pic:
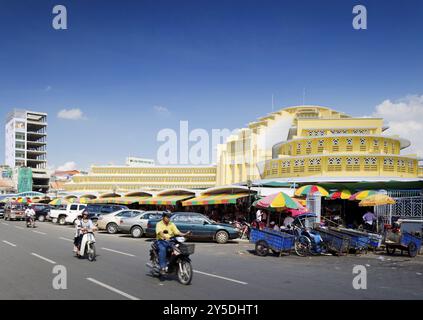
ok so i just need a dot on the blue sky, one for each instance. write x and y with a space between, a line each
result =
213 63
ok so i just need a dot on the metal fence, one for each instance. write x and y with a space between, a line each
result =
405 207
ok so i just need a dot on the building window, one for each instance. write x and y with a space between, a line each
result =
320 145
335 145
370 164
334 164
299 165
20 145
20 136
388 164
308 147
375 143
314 165
401 166
286 166
299 148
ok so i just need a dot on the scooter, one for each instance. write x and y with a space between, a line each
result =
87 246
178 260
30 222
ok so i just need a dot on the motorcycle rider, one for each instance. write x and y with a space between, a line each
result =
165 230
86 226
30 214
76 239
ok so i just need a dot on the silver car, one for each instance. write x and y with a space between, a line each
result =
136 226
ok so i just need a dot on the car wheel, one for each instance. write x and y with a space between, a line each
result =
222 237
41 218
390 250
112 228
54 220
62 221
137 232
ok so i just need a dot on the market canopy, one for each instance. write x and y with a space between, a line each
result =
214 199
170 200
119 200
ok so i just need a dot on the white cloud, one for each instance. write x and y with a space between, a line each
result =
71 114
404 118
162 110
68 166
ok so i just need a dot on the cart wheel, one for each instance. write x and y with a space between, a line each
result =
412 249
302 246
262 249
390 250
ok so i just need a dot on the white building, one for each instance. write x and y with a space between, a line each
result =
26 144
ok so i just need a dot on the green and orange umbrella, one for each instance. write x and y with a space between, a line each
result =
278 200
58 202
343 195
309 190
361 195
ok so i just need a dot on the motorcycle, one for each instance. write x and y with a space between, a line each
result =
30 222
87 246
178 261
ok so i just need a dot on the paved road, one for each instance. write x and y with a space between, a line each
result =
229 271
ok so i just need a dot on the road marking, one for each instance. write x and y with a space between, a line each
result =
224 278
43 258
9 243
120 252
18 227
113 289
66 239
6 224
39 232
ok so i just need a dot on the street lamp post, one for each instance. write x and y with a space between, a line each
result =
249 185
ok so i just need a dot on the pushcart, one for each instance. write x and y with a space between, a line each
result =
267 239
358 241
335 242
404 242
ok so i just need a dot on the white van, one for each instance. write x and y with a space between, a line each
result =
66 214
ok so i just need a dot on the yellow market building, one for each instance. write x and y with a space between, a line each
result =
297 144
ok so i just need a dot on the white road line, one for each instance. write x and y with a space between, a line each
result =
113 289
120 252
66 239
39 232
18 227
224 278
9 243
6 224
43 258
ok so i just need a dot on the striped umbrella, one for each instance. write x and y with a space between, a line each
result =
278 200
24 200
344 195
361 195
58 202
310 190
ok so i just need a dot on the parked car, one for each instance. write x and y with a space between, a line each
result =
41 211
202 227
137 226
2 205
14 211
110 221
97 210
66 213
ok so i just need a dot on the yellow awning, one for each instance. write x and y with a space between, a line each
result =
215 199
166 200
